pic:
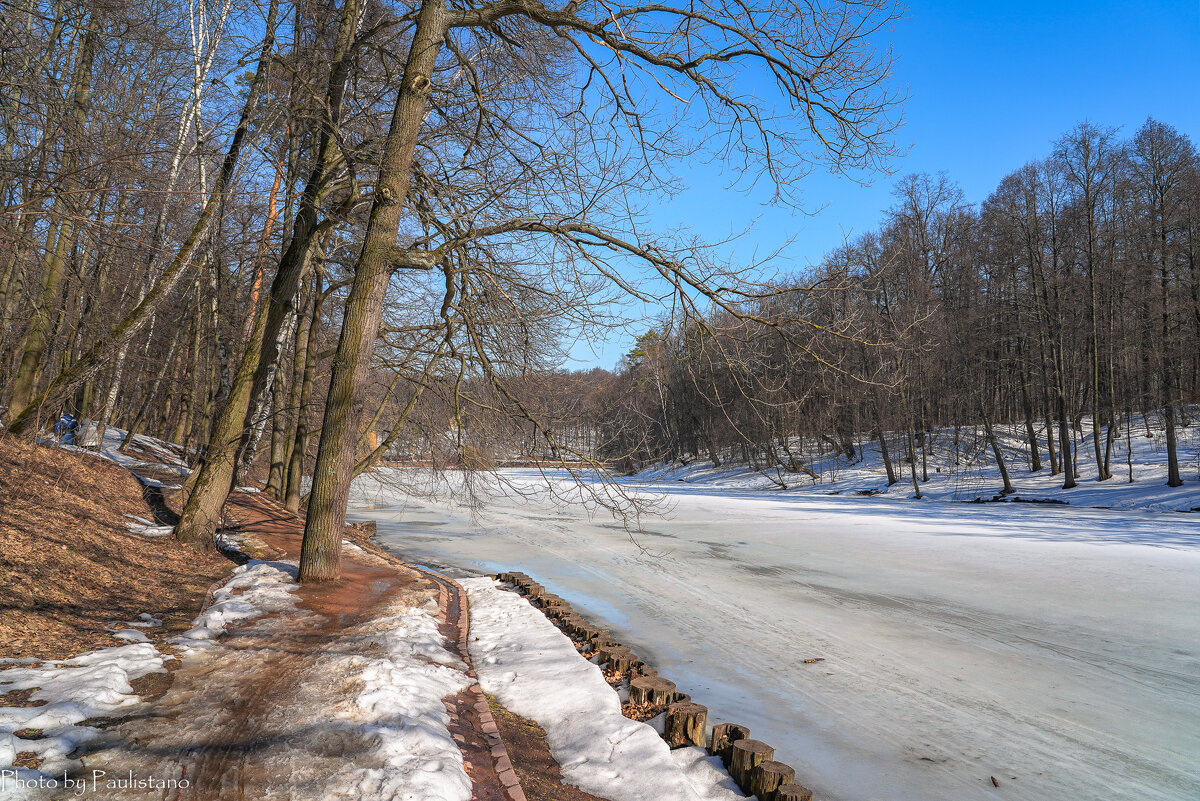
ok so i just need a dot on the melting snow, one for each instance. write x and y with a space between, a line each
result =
535 671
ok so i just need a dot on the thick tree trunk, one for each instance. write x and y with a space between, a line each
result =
1064 442
912 456
295 473
320 556
287 424
305 229
1174 479
1050 450
210 484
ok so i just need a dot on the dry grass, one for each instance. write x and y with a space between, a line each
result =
540 774
69 566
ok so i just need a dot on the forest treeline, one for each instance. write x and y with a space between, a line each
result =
299 238
1066 303
296 236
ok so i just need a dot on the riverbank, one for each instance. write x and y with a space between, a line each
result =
1050 646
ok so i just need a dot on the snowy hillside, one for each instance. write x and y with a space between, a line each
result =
964 470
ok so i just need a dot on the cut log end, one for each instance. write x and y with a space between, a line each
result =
746 756
686 725
793 792
724 735
768 777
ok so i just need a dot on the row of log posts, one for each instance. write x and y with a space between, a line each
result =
751 763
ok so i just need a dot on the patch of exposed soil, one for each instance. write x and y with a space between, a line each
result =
69 566
249 720
540 774
21 698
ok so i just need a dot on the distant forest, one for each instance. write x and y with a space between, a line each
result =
1067 302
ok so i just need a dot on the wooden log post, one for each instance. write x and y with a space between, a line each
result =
605 646
645 670
534 591
793 792
571 622
640 689
587 631
604 641
621 661
768 777
724 735
617 657
746 756
686 725
663 692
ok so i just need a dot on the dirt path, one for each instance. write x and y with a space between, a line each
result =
256 717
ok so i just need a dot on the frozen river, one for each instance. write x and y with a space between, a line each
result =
1055 649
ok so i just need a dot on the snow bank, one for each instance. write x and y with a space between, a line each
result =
85 440
535 671
400 705
95 684
257 588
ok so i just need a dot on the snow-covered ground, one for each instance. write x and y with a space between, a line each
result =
96 684
962 468
535 671
1055 648
399 704
85 440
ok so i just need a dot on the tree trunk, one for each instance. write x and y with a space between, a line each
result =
1174 479
305 228
1064 443
277 484
912 456
991 438
887 459
101 351
1050 450
295 473
210 484
60 238
320 556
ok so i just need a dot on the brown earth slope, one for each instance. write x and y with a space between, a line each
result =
70 567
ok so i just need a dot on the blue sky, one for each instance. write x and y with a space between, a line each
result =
990 86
